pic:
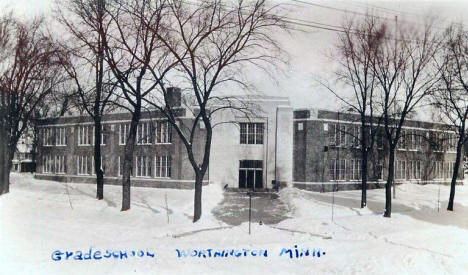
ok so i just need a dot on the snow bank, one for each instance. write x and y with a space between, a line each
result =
38 217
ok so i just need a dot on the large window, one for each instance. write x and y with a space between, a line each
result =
163 132
163 167
400 171
48 165
251 133
144 133
337 169
84 165
48 137
85 134
123 133
60 136
143 166
337 135
438 170
60 165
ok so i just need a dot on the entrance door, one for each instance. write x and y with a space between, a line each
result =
251 174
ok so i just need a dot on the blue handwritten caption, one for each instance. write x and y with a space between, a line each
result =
259 253
98 254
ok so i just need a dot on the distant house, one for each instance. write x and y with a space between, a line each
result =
23 158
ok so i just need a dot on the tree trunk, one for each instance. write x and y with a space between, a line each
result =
363 167
128 160
3 161
388 185
455 173
197 210
97 159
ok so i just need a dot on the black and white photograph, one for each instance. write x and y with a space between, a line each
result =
233 137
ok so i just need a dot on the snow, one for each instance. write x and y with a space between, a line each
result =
38 217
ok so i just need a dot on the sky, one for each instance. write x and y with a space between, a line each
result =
309 49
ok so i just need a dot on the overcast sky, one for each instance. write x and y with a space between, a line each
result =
308 48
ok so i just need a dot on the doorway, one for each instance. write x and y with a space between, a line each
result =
251 174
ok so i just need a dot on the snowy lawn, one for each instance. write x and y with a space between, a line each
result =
39 217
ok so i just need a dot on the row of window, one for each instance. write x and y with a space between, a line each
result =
347 135
85 166
54 164
350 169
85 134
344 169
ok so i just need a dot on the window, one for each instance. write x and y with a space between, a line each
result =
337 169
48 165
300 126
144 133
123 133
143 166
60 137
103 136
84 134
414 169
402 140
251 133
357 136
83 165
163 167
438 170
400 169
60 165
163 132
48 137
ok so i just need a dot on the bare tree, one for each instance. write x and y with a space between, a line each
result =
356 49
138 62
452 96
87 23
405 77
29 72
210 42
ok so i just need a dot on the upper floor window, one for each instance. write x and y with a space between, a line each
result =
123 133
60 136
251 133
144 133
337 135
84 134
48 137
163 132
402 140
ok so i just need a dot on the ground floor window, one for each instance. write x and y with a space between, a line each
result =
250 174
60 165
143 166
163 166
83 165
48 165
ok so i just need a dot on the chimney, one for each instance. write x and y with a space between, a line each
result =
174 97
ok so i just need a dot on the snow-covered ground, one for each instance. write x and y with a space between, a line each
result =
39 217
